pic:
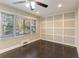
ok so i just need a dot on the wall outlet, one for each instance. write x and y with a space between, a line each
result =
24 43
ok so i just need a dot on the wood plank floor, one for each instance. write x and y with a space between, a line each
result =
42 49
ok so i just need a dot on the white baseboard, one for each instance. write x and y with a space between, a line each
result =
59 42
10 48
16 46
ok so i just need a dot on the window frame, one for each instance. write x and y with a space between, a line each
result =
14 25
7 14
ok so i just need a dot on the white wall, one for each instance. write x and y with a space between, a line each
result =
60 28
13 41
78 32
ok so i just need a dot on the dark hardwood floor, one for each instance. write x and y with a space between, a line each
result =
42 49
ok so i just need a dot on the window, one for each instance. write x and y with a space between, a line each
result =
22 26
14 25
19 26
7 24
26 26
33 26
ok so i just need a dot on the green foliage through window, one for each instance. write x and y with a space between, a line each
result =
18 25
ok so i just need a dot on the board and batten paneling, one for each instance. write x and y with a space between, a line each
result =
59 28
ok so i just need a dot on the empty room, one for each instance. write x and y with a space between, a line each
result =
39 28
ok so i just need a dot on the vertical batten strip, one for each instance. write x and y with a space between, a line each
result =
53 27
63 28
0 27
46 28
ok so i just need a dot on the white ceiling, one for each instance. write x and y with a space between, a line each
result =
52 6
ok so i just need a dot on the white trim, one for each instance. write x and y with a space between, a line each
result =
76 27
10 48
53 28
16 46
0 27
23 16
58 13
58 28
46 26
78 32
63 28
59 42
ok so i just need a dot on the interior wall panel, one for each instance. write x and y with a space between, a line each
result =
60 28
